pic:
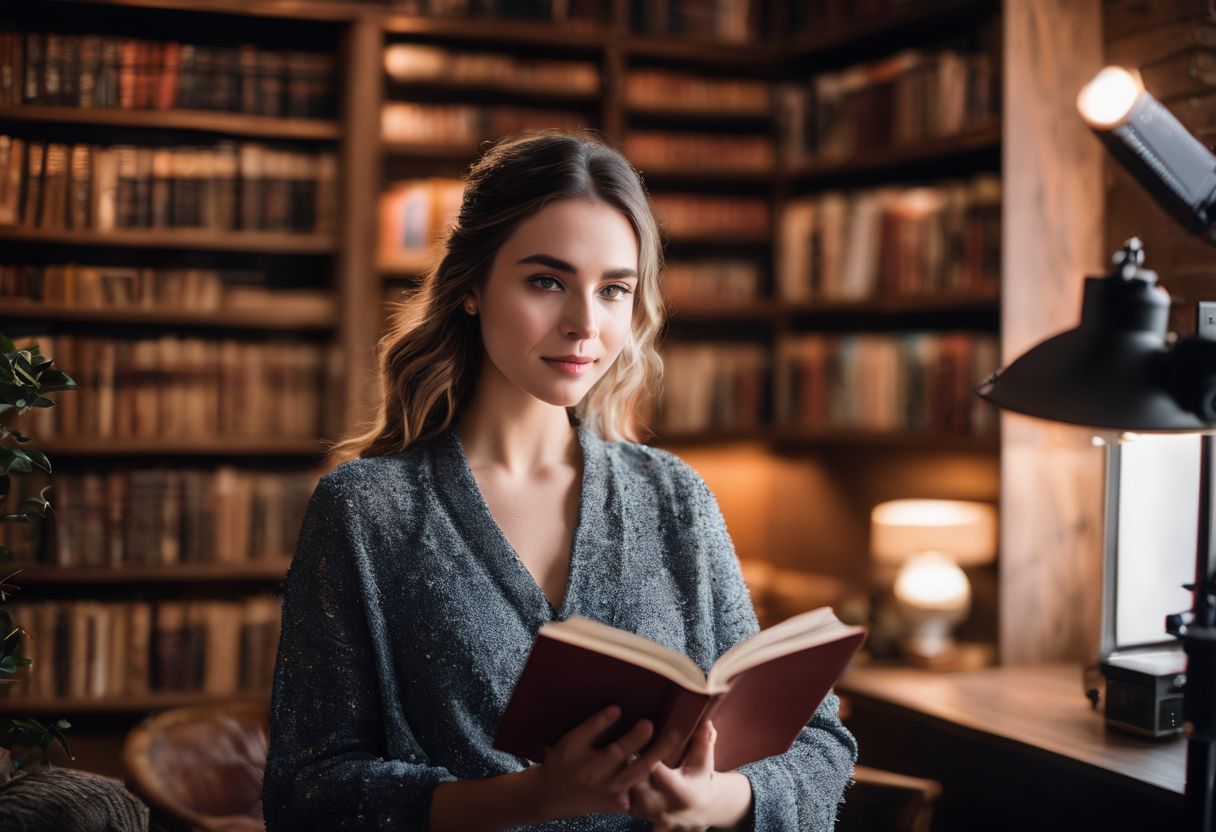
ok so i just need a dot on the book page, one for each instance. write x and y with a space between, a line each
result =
629 647
807 629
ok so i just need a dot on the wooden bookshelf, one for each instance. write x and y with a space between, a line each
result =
271 318
136 706
361 31
985 139
228 446
193 239
145 574
199 121
931 441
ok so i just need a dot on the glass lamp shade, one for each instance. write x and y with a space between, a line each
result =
1111 371
962 531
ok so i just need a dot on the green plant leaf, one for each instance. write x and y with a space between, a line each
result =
34 505
14 459
6 344
38 458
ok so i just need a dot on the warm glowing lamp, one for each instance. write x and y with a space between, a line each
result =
930 540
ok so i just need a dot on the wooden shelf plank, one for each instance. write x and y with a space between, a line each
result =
435 152
43 575
201 446
906 439
751 56
127 704
707 437
400 90
843 33
285 9
720 238
257 319
806 438
708 175
987 137
208 121
263 242
893 305
565 36
746 310
676 111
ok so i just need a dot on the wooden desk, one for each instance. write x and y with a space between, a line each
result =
1014 748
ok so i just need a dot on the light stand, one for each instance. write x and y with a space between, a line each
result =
1117 370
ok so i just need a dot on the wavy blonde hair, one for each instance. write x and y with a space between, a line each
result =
429 358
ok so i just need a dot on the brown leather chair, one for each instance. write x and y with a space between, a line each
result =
886 801
200 768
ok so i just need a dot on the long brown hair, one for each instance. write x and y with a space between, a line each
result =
429 357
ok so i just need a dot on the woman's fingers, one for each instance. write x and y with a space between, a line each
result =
640 768
700 757
585 733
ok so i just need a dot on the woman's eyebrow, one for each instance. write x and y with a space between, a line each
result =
562 265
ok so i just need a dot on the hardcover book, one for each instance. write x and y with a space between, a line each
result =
759 693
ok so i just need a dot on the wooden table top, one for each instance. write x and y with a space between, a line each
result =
1037 709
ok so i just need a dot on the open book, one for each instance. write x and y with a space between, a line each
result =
759 693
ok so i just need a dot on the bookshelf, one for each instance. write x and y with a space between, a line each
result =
165 281
822 478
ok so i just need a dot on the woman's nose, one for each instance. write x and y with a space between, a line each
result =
579 321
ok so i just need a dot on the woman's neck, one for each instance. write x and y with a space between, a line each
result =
519 435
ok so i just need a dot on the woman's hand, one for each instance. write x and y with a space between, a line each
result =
577 779
679 799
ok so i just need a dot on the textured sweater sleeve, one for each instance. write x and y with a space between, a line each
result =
802 788
329 765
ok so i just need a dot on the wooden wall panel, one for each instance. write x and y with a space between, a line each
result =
360 163
1177 60
1051 478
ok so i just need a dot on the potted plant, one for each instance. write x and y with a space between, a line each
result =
26 377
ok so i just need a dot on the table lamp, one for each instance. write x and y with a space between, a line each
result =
930 540
1118 370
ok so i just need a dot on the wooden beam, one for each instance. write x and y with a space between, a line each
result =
1051 476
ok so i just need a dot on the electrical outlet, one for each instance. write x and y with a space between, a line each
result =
1207 320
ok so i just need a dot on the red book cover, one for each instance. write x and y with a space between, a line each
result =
759 694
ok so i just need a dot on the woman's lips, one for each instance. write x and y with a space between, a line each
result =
571 368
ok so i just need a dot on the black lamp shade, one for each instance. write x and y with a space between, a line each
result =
1112 371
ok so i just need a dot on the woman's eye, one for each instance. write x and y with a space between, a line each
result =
544 281
621 291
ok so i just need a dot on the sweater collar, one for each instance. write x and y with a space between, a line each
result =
592 557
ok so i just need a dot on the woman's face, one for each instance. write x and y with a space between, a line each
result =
558 304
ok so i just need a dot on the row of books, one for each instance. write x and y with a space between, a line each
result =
673 90
70 70
179 388
806 16
414 214
406 63
228 186
110 650
163 516
892 241
466 124
730 21
80 286
908 97
698 215
713 386
722 280
912 381
676 151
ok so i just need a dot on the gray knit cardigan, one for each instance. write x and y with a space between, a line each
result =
407 619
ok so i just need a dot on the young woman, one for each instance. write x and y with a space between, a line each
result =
500 488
